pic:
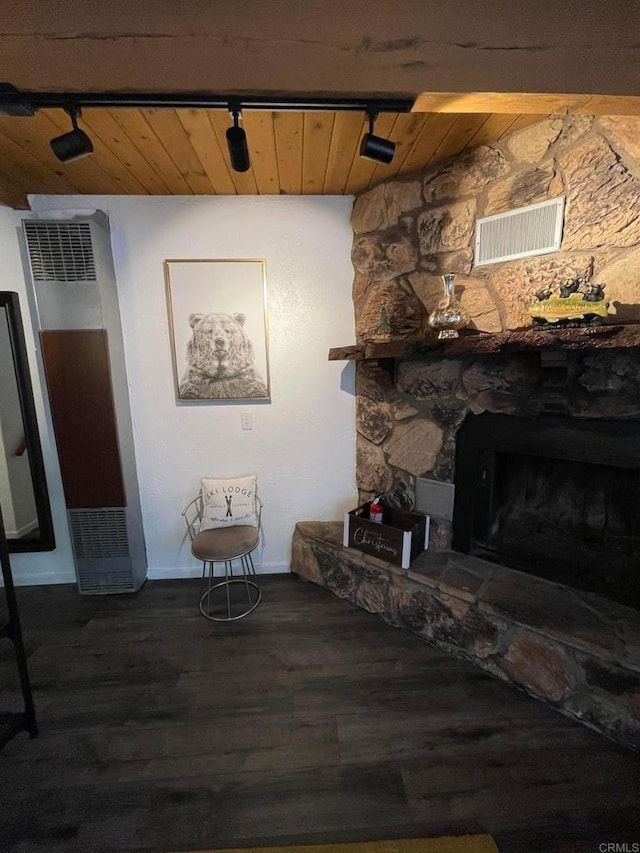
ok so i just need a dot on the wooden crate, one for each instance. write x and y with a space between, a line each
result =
399 539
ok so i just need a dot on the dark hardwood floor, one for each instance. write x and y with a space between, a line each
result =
309 721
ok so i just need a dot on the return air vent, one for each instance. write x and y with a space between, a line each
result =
99 532
101 550
520 233
60 251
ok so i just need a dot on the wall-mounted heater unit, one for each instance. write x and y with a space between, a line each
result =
82 350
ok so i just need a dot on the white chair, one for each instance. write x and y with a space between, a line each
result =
238 594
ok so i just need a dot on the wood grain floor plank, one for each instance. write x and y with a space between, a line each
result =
311 721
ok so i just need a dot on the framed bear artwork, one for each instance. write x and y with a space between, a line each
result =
218 330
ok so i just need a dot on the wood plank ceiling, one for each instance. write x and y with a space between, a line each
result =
184 152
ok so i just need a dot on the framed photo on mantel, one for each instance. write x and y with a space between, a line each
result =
218 330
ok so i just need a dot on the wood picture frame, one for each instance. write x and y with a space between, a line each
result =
218 329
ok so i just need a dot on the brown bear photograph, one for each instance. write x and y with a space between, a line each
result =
218 329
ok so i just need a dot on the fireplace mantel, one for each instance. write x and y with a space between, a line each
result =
479 343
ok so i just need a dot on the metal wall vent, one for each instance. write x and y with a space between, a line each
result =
60 251
98 533
520 233
97 581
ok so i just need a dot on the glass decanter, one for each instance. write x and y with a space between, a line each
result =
449 315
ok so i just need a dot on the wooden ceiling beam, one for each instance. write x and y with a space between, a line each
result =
526 102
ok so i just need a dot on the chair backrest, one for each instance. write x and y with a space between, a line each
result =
194 511
192 515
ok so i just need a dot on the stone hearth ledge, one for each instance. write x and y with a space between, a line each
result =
575 651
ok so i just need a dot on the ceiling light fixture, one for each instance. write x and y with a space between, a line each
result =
376 147
76 143
237 141
73 145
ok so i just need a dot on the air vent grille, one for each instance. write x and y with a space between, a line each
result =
95 580
520 233
99 533
60 251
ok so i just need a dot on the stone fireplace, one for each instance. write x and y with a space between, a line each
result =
540 432
563 627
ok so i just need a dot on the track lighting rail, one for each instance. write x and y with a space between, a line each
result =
76 143
15 102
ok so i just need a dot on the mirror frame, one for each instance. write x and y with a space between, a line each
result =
46 540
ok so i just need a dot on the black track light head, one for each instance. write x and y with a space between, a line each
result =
73 145
237 143
375 147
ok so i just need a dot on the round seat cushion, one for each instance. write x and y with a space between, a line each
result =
225 543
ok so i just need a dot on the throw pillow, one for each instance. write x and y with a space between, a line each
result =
228 501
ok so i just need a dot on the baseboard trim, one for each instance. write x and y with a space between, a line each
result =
177 572
18 533
29 577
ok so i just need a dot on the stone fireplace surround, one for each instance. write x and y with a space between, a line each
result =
554 496
576 651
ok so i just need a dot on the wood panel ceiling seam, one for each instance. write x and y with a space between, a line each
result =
464 128
522 121
225 173
404 140
481 121
407 165
154 152
425 143
20 132
31 170
318 128
262 150
104 126
124 124
441 144
348 128
169 130
491 131
206 148
289 129
330 148
118 170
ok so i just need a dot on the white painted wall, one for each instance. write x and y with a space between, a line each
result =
302 447
47 566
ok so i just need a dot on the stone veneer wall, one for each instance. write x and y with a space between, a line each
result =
408 232
408 427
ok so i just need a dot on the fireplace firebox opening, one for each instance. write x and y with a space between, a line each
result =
555 497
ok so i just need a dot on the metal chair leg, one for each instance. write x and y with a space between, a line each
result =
248 573
226 581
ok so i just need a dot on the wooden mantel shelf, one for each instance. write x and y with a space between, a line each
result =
478 343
